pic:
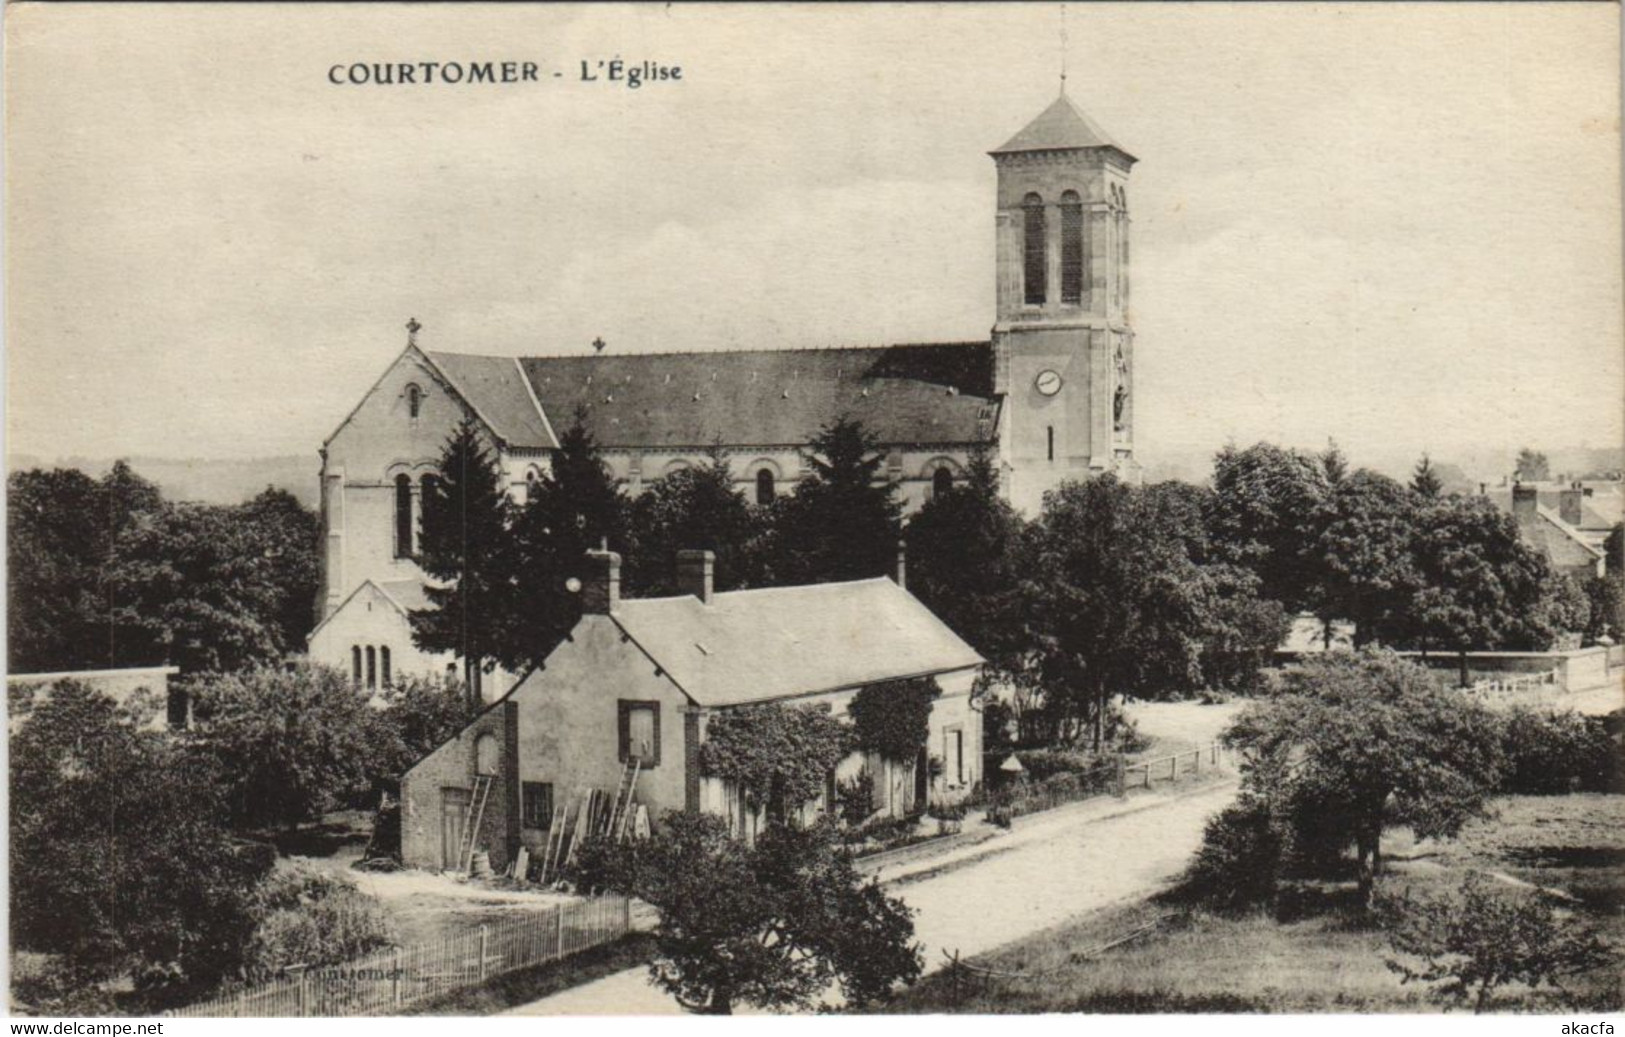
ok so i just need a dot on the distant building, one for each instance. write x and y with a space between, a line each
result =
1566 523
1050 392
643 677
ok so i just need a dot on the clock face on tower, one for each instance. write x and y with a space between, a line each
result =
1048 383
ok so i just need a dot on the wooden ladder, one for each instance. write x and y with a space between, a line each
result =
622 806
476 814
553 852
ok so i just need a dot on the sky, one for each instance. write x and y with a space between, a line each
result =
1396 224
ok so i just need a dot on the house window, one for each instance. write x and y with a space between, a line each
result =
486 754
1035 251
1071 249
414 401
403 516
536 804
1049 431
383 664
764 486
640 732
372 667
953 753
355 665
942 481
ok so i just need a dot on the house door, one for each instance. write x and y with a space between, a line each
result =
453 820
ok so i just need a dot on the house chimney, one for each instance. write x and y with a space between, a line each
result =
601 591
1568 504
1524 501
900 575
694 573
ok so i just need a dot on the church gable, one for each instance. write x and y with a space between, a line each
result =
400 425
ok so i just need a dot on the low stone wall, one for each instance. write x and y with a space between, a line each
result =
1578 669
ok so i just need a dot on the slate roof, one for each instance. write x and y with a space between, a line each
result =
408 594
1563 545
932 393
780 642
1060 127
1599 511
495 387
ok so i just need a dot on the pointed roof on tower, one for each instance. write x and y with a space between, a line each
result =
1061 127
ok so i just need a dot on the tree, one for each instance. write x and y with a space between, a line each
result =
1605 594
1334 463
418 715
63 528
1265 500
1357 741
1531 466
465 545
1240 630
1483 937
292 743
1116 601
288 535
1478 583
963 563
1425 481
1361 554
120 859
698 508
842 523
576 507
196 586
769 925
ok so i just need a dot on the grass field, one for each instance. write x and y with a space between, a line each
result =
1331 960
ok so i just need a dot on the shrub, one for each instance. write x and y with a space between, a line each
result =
893 718
1483 937
1239 862
1550 753
1041 764
313 918
856 798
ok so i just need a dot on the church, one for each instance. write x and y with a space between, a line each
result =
1049 393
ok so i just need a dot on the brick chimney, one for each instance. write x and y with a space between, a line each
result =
601 590
1524 501
695 570
1568 504
900 574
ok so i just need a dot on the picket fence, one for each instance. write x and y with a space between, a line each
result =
391 980
1504 690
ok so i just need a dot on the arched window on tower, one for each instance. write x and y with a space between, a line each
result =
355 665
383 665
372 667
765 490
414 401
1072 264
403 516
942 481
1035 251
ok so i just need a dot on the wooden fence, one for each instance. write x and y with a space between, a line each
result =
1509 690
390 980
1111 776
1170 767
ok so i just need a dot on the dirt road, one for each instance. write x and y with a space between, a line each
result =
1051 868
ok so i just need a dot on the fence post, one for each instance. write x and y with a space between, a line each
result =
558 942
399 971
484 939
304 993
626 915
1122 776
1196 762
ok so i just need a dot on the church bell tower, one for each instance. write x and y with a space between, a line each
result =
1063 347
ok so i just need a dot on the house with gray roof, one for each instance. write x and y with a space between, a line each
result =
640 680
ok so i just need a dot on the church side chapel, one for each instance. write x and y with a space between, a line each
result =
1049 394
